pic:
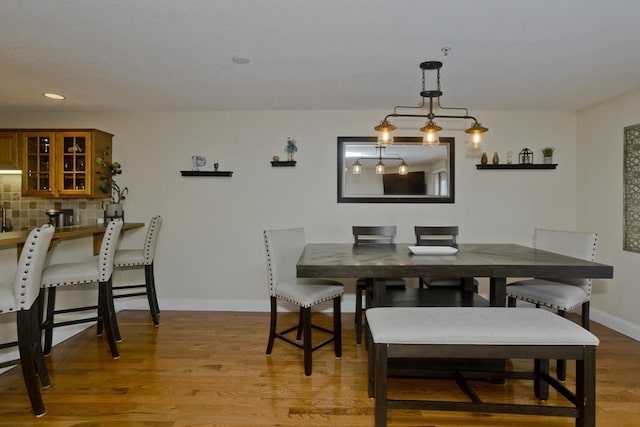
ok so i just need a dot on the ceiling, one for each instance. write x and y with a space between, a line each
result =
171 55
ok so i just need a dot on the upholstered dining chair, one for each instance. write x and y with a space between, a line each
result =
560 294
136 259
371 235
99 270
439 236
283 248
21 297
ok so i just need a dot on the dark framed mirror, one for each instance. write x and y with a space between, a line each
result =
410 171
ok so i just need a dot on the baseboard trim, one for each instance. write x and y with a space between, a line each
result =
617 324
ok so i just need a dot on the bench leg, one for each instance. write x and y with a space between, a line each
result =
586 388
540 386
381 385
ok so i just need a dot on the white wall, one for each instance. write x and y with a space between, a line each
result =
600 206
210 253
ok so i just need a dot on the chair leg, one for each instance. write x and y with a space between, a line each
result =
307 346
99 324
511 302
36 343
151 293
585 315
272 325
28 358
48 322
561 365
337 328
109 318
358 317
300 325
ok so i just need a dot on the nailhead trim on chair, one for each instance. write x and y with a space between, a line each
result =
148 250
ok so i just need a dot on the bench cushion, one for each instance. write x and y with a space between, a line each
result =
474 325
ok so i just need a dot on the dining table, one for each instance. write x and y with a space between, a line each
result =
496 261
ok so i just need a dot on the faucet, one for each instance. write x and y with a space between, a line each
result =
5 227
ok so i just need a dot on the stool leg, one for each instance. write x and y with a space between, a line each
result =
28 360
108 319
380 384
48 323
337 328
151 293
306 339
272 325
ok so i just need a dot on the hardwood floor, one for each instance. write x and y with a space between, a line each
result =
209 369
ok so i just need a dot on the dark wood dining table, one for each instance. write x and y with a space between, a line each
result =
496 261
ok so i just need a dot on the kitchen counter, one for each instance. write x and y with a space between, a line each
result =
17 238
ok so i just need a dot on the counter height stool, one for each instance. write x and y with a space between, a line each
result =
371 235
21 297
559 294
283 249
97 271
140 258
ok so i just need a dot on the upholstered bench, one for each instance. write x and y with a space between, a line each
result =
483 332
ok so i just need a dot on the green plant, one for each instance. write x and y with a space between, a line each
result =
548 151
107 175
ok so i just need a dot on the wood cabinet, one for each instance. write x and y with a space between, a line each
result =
9 149
62 162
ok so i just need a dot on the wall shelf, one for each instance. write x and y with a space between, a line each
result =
206 173
278 163
512 166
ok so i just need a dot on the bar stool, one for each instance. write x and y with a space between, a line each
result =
21 297
99 271
140 258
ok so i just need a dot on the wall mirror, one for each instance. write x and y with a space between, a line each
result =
410 171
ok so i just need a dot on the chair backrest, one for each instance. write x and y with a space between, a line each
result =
151 239
436 235
377 234
30 266
283 249
108 249
575 244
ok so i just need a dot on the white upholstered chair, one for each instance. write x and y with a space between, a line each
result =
140 258
371 235
283 249
21 297
560 294
99 270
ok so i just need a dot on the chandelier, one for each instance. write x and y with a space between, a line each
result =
403 169
430 129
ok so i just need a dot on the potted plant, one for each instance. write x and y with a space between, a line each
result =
547 155
109 186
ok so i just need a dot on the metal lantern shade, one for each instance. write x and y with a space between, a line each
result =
526 157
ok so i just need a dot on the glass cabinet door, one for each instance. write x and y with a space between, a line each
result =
74 163
39 154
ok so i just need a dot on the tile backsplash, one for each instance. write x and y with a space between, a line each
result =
28 212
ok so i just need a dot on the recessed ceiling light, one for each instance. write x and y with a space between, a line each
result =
239 59
53 96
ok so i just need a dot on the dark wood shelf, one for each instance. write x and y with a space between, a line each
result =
206 173
279 163
512 166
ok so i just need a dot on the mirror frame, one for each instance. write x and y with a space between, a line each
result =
343 140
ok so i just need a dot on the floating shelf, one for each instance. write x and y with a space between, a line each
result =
206 173
512 166
279 163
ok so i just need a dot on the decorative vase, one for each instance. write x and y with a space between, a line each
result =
483 159
547 160
495 160
113 210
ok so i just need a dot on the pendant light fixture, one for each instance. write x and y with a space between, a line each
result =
403 169
430 129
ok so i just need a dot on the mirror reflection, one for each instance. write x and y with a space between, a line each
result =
403 172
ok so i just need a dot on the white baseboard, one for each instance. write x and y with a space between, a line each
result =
619 325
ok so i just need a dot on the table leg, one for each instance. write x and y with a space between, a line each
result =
498 291
379 288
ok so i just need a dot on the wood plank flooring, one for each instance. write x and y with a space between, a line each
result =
209 369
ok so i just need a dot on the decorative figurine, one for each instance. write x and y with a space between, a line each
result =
290 148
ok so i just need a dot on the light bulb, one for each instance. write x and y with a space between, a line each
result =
430 138
385 137
476 139
404 168
357 168
380 168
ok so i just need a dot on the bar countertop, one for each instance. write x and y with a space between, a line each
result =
17 238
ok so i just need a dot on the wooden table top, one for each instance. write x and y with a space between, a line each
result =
472 259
